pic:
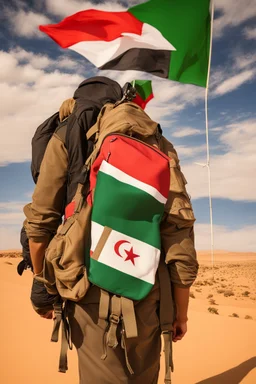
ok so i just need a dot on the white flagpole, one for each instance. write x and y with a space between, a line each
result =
207 138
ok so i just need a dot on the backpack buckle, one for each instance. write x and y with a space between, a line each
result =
57 308
115 319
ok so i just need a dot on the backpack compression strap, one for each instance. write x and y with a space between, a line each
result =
94 129
121 309
60 319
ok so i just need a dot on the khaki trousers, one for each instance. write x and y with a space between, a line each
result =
88 337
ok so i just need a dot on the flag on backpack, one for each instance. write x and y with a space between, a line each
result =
165 38
131 182
144 92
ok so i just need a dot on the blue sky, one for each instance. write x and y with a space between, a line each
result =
36 76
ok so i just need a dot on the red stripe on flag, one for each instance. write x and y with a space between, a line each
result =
92 25
130 157
142 103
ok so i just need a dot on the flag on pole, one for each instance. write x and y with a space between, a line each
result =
165 38
144 92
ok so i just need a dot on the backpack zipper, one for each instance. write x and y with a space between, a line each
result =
109 152
133 138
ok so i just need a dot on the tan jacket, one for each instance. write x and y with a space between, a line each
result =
43 215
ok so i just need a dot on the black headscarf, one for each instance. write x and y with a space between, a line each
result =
99 90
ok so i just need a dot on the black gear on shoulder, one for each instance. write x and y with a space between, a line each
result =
26 263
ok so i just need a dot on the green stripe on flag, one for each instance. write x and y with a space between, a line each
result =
117 282
143 88
186 25
127 209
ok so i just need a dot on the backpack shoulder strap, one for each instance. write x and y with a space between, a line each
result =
96 127
39 142
61 130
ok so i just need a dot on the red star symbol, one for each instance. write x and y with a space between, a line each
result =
131 255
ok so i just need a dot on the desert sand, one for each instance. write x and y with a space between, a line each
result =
220 346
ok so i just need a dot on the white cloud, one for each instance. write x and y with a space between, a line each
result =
239 240
9 237
31 95
11 213
233 173
11 220
65 8
217 129
25 23
37 61
186 131
67 63
240 67
184 152
171 98
234 82
244 61
233 13
238 70
240 137
250 33
11 206
40 61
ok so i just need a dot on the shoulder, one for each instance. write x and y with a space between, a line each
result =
167 147
86 112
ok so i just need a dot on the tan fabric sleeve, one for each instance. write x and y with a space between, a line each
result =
43 215
177 231
66 108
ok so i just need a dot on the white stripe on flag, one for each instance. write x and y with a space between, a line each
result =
119 175
101 52
145 265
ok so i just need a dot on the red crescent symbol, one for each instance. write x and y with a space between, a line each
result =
117 246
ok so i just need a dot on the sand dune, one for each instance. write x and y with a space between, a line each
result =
225 256
217 349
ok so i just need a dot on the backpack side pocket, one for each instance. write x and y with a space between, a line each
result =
64 266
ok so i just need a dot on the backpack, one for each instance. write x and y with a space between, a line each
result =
65 268
100 224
